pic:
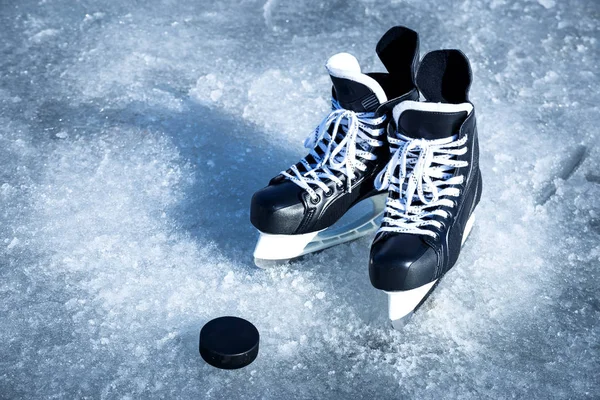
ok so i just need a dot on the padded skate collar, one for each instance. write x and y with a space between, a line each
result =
430 121
431 107
398 50
354 90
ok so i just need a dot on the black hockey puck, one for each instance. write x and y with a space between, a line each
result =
229 342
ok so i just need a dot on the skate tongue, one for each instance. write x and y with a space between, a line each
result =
354 90
430 121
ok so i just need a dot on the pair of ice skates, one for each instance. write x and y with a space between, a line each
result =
385 152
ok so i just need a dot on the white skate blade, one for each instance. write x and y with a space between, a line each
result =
468 228
281 247
402 304
360 220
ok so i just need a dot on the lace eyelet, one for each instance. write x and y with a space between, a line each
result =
315 200
340 186
328 193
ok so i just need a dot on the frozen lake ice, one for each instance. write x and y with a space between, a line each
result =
133 134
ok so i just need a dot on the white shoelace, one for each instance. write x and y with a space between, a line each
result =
342 156
424 177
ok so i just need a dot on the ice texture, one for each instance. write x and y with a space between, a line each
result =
133 134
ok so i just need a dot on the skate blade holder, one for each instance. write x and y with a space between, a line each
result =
362 219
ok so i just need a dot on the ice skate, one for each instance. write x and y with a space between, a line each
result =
434 185
328 197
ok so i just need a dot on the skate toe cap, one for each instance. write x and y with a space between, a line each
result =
401 262
277 209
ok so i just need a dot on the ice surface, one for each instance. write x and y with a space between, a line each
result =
132 135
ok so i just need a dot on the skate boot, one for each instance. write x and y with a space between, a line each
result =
305 208
434 185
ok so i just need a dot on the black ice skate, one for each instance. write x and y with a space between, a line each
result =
298 212
434 185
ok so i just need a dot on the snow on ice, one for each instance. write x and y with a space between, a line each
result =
132 135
